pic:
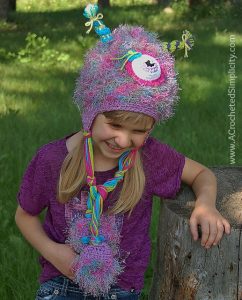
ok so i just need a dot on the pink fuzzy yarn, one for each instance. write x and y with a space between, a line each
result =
96 269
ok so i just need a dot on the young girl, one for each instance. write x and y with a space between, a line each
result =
97 184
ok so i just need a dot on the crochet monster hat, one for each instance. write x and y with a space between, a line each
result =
129 69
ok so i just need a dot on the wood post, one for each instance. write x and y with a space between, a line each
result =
185 270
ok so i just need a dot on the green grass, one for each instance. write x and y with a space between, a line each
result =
36 103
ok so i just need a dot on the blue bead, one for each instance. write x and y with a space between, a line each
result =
106 38
85 239
97 23
102 30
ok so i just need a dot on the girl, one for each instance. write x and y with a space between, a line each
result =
98 183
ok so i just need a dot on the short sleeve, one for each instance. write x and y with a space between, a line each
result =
165 166
33 194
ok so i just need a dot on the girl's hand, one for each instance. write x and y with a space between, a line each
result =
62 257
212 223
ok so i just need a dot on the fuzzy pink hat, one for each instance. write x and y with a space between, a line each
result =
128 69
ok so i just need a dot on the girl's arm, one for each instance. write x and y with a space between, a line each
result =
204 184
60 255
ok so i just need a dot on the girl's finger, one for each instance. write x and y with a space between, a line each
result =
220 232
212 234
193 228
226 226
205 233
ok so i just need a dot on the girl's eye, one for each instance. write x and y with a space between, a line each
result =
140 131
116 125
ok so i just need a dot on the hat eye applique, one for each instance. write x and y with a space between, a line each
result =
143 68
146 68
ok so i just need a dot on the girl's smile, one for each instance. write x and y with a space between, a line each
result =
113 148
110 139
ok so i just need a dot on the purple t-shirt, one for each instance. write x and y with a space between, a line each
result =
163 169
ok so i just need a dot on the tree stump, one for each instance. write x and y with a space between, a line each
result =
185 270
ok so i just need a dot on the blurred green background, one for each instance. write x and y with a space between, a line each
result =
41 50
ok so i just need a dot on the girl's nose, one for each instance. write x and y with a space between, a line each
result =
123 140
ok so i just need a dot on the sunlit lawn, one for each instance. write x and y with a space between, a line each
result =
36 103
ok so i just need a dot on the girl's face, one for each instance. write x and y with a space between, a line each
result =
111 140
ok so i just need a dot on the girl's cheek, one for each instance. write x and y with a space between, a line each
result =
144 139
105 131
140 142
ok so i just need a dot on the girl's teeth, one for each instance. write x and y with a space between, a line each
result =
113 147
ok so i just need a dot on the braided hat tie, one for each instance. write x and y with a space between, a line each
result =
98 193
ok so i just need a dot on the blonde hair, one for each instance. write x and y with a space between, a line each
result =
73 173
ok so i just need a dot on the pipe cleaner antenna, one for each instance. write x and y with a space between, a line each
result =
130 56
91 13
186 43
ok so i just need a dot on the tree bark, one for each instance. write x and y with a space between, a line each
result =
187 271
4 8
164 2
12 5
104 3
192 3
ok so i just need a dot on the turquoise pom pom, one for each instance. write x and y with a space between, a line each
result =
101 238
90 11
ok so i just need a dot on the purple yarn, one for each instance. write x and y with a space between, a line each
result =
79 227
96 269
95 263
103 86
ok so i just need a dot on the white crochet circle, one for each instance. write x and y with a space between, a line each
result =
146 68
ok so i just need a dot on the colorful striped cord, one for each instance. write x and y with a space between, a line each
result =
98 193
